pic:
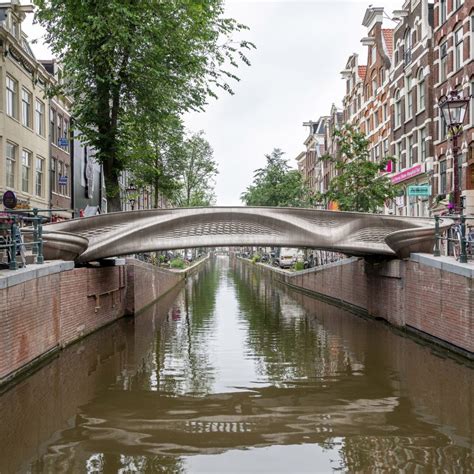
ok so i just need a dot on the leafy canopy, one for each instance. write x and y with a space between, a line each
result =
197 173
360 184
276 185
128 61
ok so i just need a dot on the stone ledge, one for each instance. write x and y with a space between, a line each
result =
9 278
448 264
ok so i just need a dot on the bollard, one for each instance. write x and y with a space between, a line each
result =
12 264
34 248
39 256
436 252
463 255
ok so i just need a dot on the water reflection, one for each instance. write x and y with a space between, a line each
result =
224 370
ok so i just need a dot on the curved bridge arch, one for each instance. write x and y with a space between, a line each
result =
124 233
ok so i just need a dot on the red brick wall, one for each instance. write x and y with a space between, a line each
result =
408 294
51 312
147 283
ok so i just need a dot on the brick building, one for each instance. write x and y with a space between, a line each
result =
366 103
411 89
61 174
453 68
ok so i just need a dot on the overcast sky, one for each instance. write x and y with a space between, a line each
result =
301 48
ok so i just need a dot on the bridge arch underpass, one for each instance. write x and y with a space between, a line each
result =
125 233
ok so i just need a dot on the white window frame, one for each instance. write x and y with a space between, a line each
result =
26 156
421 91
458 48
11 160
39 175
39 117
26 107
11 97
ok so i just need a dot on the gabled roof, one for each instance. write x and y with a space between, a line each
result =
387 35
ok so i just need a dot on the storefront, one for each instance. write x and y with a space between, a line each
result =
415 192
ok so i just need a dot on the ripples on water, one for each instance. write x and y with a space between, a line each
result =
234 374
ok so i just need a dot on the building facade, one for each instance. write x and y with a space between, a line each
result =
60 142
453 69
24 143
411 88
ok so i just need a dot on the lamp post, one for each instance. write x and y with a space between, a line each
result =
454 109
131 190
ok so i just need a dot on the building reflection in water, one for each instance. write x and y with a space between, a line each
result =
232 361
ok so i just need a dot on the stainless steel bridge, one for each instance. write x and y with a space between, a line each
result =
124 233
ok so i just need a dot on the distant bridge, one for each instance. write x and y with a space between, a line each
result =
125 233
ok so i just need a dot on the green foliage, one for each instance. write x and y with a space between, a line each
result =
126 63
197 171
359 184
256 258
276 185
177 262
299 266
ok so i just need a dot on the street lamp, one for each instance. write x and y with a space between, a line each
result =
131 190
454 109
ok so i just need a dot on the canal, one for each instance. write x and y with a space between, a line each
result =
231 373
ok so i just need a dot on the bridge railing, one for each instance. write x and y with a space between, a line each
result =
457 241
15 239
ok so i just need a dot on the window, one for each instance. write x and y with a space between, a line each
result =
14 28
11 164
60 128
398 109
52 126
443 61
26 102
472 37
421 91
409 150
458 49
12 90
398 153
385 147
422 144
54 175
376 119
407 47
39 117
381 76
374 82
39 170
66 186
385 111
409 93
472 101
442 11
25 170
442 177
443 128
457 4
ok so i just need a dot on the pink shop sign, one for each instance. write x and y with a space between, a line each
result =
407 174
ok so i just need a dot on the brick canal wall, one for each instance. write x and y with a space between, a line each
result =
44 308
433 298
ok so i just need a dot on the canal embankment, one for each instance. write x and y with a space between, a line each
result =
431 297
44 308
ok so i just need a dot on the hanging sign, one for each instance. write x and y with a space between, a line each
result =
420 190
9 200
62 181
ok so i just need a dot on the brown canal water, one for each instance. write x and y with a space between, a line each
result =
231 373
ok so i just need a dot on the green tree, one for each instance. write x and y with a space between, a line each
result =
157 156
360 184
126 60
197 173
276 185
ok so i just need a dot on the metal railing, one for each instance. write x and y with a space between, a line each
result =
11 241
457 241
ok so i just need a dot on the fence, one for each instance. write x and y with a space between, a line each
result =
457 241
